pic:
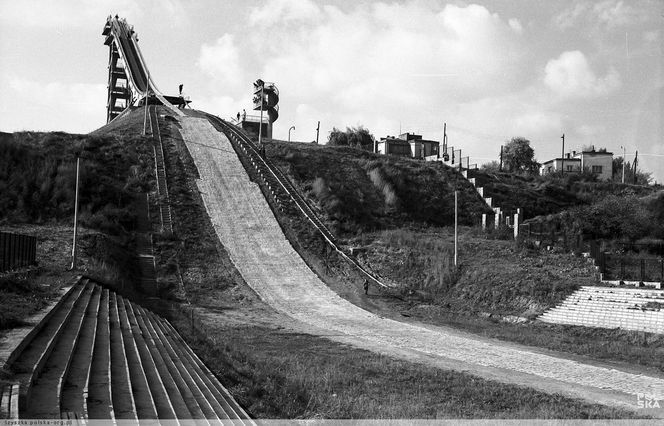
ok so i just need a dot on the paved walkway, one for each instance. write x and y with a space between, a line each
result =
257 246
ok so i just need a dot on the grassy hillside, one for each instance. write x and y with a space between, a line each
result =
543 195
359 191
37 187
38 178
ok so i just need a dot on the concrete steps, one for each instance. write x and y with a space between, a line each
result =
99 356
160 167
607 307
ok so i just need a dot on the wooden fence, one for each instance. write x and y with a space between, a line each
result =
17 251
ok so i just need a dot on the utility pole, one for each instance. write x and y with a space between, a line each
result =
317 131
636 160
456 227
562 165
623 165
500 168
73 249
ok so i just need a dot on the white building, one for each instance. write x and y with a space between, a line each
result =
596 162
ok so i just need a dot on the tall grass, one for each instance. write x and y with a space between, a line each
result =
377 178
422 262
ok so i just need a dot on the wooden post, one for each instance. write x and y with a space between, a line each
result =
73 249
516 226
456 226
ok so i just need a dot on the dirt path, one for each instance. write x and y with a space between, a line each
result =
257 246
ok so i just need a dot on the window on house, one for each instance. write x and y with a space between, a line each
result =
597 169
399 150
570 168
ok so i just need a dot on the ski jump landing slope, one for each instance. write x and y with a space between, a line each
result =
257 246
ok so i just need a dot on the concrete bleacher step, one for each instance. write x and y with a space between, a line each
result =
608 307
43 397
174 398
155 382
76 380
204 398
121 390
28 366
97 403
9 395
204 381
142 392
102 357
180 391
231 407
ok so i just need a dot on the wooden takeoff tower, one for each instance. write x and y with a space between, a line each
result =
119 91
128 76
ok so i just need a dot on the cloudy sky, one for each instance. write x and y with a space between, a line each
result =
491 70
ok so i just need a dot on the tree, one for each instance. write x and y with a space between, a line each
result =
519 156
357 137
491 166
642 177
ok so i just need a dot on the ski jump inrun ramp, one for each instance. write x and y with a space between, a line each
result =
257 246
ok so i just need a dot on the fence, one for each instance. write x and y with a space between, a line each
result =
16 251
552 234
626 267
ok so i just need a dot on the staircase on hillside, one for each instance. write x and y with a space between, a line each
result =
146 259
611 307
160 166
97 355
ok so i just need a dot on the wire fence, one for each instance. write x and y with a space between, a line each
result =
17 251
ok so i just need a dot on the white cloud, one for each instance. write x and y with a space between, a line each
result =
222 61
76 105
49 14
614 14
280 11
570 76
371 58
607 14
57 14
515 25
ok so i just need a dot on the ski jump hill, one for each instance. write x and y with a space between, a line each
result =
128 348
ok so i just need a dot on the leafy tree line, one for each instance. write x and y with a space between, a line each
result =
38 178
356 137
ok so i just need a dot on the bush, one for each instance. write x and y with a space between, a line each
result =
617 217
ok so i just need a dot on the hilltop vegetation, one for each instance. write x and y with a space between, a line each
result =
358 191
38 178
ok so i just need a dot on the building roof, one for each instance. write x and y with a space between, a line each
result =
561 159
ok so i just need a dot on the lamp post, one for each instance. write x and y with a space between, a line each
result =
260 126
291 128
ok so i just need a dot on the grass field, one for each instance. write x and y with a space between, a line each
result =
279 374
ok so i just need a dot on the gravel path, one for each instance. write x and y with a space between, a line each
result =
257 246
